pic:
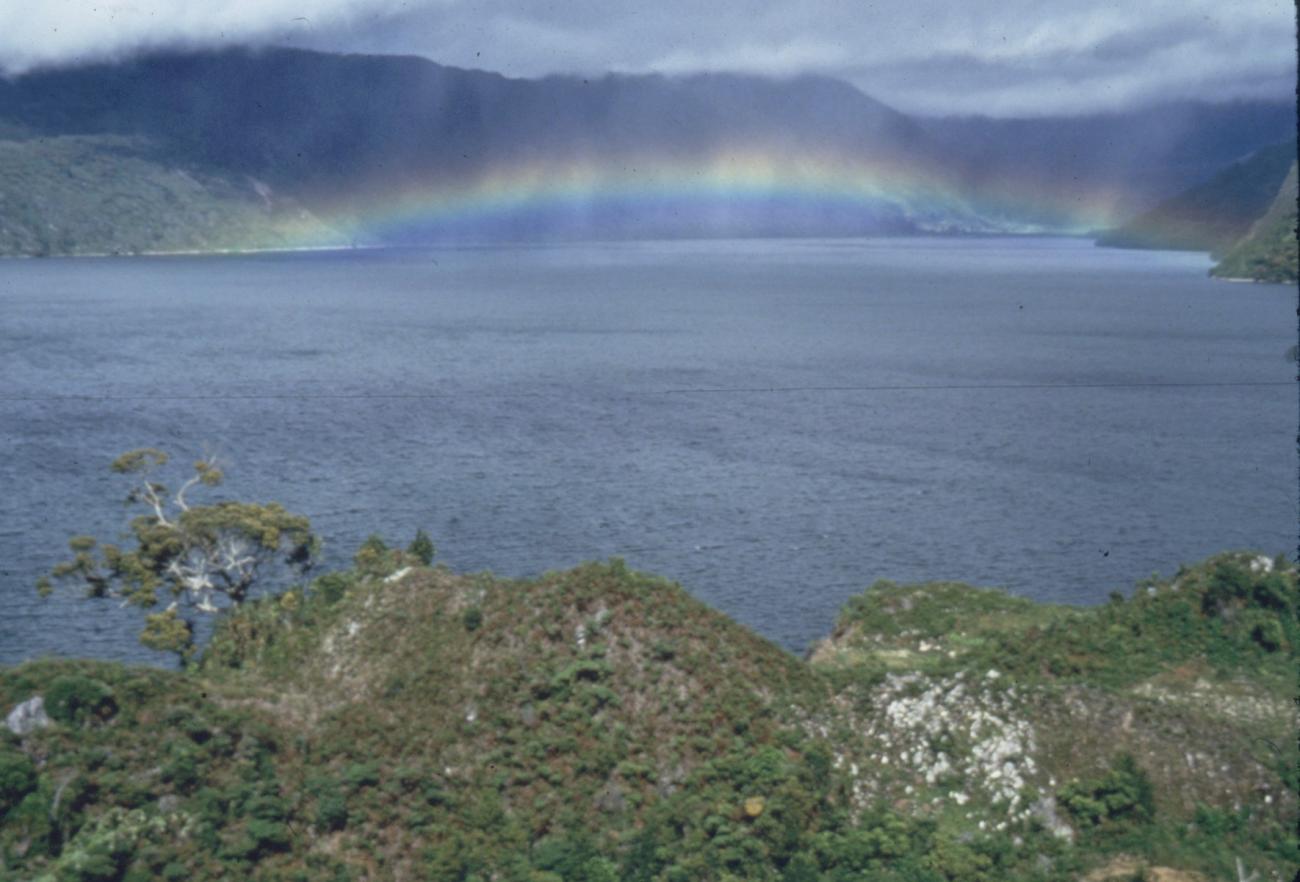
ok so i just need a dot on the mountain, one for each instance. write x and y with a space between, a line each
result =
390 149
351 135
117 194
1215 214
311 118
1269 251
1114 165
600 724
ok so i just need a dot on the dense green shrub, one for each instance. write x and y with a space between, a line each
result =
268 835
1268 634
1122 795
332 586
422 548
182 771
17 779
359 775
332 812
75 700
567 857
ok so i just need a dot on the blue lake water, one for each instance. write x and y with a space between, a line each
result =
774 424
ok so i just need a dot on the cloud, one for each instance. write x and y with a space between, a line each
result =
773 59
1132 67
41 32
935 56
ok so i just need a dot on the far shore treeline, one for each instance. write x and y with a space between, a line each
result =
164 152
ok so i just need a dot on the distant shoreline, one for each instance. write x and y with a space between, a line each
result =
193 252
213 252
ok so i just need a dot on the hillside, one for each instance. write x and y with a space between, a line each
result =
118 194
1111 166
393 150
1269 251
401 722
351 137
1213 215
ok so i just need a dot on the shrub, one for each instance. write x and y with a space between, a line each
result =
332 812
17 779
472 619
266 808
568 858
1216 823
332 586
182 771
75 700
1227 584
422 548
32 820
1270 592
663 651
268 836
1123 795
1267 632
374 559
360 775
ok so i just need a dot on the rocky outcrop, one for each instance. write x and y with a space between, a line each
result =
28 717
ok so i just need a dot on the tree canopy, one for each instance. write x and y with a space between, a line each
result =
196 557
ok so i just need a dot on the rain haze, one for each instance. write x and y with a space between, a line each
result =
1022 58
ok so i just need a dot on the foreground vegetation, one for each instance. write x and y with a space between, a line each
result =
399 721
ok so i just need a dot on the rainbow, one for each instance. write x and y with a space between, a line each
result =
727 190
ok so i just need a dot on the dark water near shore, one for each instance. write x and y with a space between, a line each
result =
774 424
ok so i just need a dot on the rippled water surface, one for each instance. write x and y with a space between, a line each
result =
774 424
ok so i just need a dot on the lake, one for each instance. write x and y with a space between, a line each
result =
774 424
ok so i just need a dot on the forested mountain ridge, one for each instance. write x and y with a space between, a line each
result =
1214 215
352 138
122 194
1269 251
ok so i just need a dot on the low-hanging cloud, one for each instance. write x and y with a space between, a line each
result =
1015 57
34 33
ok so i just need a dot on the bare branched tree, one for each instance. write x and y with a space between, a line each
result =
199 557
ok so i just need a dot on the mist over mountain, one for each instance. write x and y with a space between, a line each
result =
1137 158
1212 215
1269 252
401 149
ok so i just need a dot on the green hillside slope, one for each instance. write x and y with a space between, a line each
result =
108 194
599 724
1269 252
1215 214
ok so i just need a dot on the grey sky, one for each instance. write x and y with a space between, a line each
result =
930 56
